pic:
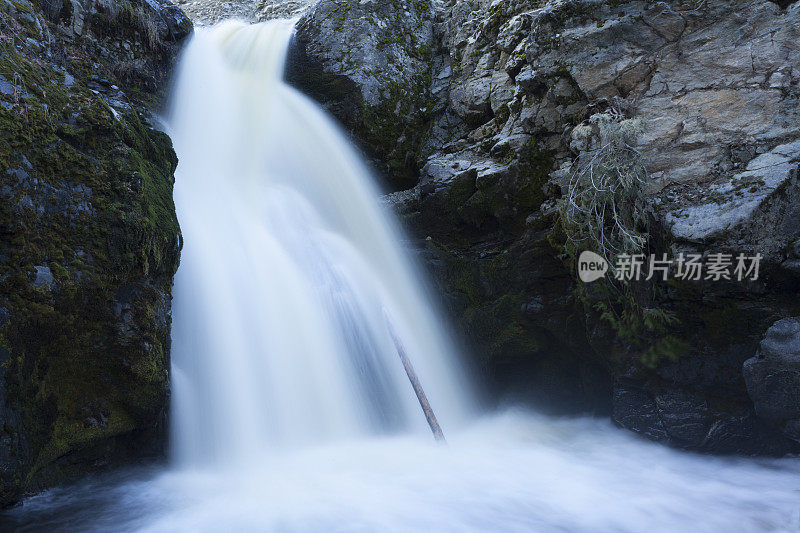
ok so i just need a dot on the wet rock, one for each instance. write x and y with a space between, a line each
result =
773 376
172 23
689 419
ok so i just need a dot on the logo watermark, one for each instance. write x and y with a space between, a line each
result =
689 267
591 266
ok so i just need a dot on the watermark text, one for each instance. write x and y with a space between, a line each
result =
689 267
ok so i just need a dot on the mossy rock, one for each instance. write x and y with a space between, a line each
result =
89 244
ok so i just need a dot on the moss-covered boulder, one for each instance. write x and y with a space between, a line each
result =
89 240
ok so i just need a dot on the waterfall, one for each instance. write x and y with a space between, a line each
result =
291 283
289 270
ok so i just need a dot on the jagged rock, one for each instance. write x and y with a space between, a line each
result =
172 24
212 12
773 376
137 41
687 419
756 210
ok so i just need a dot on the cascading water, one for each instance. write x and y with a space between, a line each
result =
280 342
289 270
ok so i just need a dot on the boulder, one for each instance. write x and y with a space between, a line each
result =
694 419
773 376
369 63
88 227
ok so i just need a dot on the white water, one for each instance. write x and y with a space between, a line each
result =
511 473
284 371
288 271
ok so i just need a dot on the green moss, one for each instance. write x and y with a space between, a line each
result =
490 303
500 329
397 141
508 200
502 114
127 20
70 357
67 437
24 7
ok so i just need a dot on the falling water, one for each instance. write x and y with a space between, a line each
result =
289 270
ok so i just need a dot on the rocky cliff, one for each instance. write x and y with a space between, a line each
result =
513 127
89 240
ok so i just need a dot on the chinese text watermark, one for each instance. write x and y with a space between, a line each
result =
689 267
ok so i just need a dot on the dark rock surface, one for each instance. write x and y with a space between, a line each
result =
511 101
773 377
89 240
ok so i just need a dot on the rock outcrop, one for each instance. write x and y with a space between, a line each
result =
210 12
511 102
773 377
89 240
380 72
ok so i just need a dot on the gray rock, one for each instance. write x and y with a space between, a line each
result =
773 376
513 31
207 13
754 210
19 173
529 81
369 62
782 341
374 44
402 202
42 277
6 87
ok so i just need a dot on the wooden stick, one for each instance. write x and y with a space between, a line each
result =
412 377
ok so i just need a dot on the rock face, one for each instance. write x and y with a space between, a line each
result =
213 11
379 73
508 106
89 240
773 377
